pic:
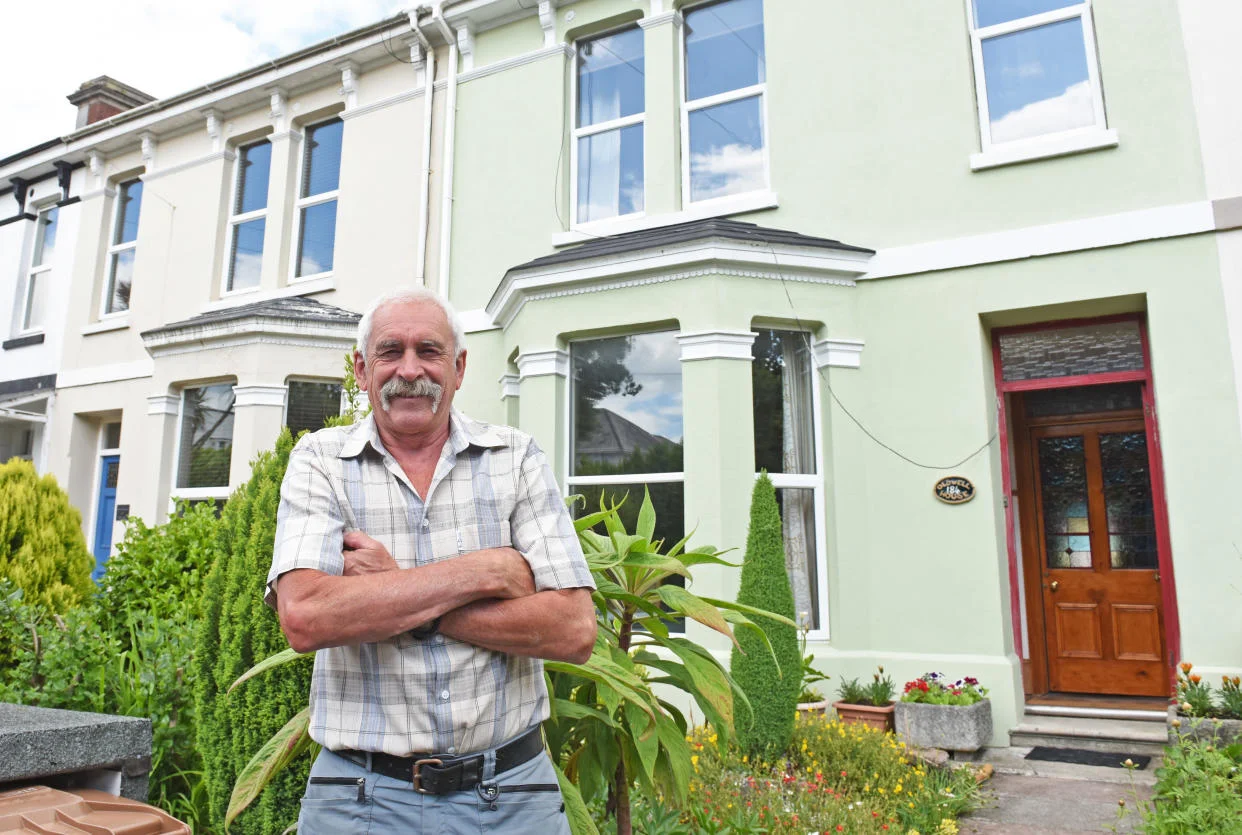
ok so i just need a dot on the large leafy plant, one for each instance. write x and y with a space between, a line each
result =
608 729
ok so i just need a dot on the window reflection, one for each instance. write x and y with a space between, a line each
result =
206 436
610 77
1037 81
724 47
610 173
991 12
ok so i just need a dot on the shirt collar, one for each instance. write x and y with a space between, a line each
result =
463 432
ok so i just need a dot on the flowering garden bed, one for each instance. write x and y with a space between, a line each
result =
834 778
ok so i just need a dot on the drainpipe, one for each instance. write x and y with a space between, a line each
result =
450 121
424 201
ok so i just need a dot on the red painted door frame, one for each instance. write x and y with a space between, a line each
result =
1164 552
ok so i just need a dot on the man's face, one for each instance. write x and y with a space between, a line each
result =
409 362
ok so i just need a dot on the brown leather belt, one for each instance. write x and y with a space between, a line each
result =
438 774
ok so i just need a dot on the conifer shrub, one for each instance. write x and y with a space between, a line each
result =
772 689
236 630
42 549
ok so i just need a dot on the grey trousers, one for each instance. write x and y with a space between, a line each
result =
343 798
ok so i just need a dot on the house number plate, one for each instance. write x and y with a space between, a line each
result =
955 490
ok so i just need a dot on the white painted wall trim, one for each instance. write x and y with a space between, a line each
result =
1043 147
563 50
510 386
543 363
106 325
721 207
227 156
260 395
1050 239
838 353
476 321
113 373
164 404
381 104
288 337
716 345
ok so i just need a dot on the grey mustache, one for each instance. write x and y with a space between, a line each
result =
418 387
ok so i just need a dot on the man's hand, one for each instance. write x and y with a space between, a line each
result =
512 569
364 555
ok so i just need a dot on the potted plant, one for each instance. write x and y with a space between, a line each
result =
1199 713
952 716
810 699
868 704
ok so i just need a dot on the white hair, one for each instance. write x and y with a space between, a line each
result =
410 294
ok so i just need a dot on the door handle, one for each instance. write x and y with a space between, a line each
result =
1157 577
1054 585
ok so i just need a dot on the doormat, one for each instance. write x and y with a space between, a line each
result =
1079 756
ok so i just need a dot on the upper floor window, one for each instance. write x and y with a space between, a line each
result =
608 131
34 310
1036 73
122 247
321 177
248 220
724 143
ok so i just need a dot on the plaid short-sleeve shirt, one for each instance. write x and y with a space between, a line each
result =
492 487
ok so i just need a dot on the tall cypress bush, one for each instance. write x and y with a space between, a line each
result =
773 691
236 631
42 550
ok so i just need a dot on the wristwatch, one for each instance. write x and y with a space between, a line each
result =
425 631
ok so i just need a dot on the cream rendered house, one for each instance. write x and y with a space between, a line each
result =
867 251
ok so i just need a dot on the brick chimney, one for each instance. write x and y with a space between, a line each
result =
102 97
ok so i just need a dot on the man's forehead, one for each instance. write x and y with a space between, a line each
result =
418 319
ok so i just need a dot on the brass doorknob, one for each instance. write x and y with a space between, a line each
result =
1054 585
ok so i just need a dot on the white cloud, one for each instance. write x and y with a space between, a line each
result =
162 47
730 169
1074 108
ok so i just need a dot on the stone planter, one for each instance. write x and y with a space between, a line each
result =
948 727
819 708
880 718
1220 731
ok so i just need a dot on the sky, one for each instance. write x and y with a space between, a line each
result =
162 47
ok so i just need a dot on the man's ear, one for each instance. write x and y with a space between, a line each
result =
461 368
360 371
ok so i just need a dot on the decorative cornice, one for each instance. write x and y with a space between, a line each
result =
838 353
547 21
149 145
260 395
349 82
716 345
465 45
543 363
510 386
661 19
390 101
278 110
265 329
215 156
163 404
247 340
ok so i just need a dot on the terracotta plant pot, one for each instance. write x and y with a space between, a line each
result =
880 718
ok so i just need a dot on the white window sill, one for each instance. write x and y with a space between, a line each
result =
105 325
732 205
300 280
303 287
1043 148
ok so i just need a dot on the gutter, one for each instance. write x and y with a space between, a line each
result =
424 192
450 124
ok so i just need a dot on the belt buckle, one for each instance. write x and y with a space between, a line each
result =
418 777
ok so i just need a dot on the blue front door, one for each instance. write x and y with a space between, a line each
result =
104 514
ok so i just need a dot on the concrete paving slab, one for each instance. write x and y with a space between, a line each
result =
1032 805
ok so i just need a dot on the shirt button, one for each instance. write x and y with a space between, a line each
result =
444 694
426 523
452 750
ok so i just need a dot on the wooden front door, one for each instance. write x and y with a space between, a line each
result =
1094 535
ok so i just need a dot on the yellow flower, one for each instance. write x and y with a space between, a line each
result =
897 788
694 760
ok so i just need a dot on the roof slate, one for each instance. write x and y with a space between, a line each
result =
680 233
290 307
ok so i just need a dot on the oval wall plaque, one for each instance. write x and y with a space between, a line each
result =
954 490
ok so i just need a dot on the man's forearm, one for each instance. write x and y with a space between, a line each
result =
558 625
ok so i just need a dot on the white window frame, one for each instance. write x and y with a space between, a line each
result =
115 249
34 272
576 133
312 200
814 482
688 107
195 493
340 406
236 220
1084 138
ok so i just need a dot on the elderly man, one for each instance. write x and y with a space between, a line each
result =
430 560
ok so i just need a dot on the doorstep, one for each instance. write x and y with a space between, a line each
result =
1012 761
1132 736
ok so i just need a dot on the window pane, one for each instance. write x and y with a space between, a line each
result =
120 279
1068 352
253 167
1063 489
724 47
128 206
797 506
610 173
726 149
1037 82
627 405
323 158
991 12
45 237
783 407
310 404
36 301
1127 498
247 255
317 238
206 436
610 77
112 435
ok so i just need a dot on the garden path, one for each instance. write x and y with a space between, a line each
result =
1029 804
